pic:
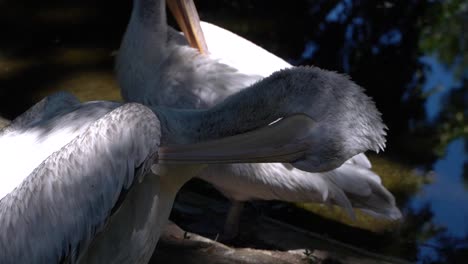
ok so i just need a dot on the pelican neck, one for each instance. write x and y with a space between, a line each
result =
151 13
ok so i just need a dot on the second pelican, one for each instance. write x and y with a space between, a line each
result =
157 67
95 182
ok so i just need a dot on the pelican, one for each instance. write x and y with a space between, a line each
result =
95 182
156 67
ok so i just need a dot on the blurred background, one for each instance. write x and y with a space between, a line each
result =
411 56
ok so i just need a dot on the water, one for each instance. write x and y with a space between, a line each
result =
447 195
411 57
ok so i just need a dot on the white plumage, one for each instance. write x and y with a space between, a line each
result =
88 195
155 66
73 168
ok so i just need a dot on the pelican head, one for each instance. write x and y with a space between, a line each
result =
158 67
101 177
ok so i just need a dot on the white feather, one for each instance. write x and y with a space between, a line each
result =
156 67
66 199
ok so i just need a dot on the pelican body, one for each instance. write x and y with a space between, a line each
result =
94 182
156 67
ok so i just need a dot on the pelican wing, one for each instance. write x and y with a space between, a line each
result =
44 109
41 131
67 199
360 160
347 186
240 53
365 191
180 77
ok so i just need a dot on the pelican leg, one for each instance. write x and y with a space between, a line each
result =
231 225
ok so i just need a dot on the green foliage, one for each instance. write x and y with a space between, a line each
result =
442 33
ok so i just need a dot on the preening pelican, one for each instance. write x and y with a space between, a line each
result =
95 182
156 66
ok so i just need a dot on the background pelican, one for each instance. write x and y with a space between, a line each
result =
77 186
155 66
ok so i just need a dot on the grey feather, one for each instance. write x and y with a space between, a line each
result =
347 186
158 68
43 110
70 195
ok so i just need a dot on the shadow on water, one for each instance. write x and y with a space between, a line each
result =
411 56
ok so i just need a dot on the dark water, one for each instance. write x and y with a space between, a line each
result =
411 56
